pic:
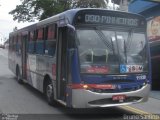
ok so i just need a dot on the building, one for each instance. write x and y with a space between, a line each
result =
150 9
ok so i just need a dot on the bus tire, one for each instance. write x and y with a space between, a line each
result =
18 77
49 92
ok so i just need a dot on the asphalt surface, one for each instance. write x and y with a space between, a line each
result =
30 104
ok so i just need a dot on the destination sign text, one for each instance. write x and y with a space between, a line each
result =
111 20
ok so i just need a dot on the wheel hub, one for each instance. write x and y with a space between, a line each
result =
49 91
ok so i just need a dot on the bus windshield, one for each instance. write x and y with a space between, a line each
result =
103 51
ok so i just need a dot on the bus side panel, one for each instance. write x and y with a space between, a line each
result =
14 56
38 67
31 70
44 68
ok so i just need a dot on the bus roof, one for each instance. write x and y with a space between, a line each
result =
69 15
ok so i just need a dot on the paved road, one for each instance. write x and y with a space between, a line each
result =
23 99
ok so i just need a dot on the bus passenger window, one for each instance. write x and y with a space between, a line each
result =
51 32
14 43
50 48
31 36
19 42
34 40
10 43
19 39
40 34
17 45
50 43
40 42
12 39
31 42
45 33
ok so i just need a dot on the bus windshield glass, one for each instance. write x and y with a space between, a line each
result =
103 51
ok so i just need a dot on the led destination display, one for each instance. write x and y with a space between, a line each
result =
109 18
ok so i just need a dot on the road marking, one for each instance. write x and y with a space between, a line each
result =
135 110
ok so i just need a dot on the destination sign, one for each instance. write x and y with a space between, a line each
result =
110 20
105 17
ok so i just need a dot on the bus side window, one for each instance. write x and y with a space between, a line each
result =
45 36
40 41
17 44
34 41
19 39
51 31
45 33
10 43
40 34
50 43
31 42
31 36
14 43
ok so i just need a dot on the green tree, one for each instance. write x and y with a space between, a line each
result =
89 4
30 10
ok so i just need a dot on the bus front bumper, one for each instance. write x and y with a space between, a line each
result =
82 98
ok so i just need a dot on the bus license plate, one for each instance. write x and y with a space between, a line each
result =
118 97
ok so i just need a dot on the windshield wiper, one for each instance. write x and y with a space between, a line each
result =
129 39
103 39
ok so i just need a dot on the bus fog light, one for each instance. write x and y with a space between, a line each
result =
85 86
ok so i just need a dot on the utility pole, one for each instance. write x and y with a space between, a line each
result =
124 5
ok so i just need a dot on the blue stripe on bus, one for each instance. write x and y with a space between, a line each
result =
96 79
130 82
75 68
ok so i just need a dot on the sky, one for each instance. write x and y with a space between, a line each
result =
6 20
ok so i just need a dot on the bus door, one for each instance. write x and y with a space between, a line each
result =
24 54
61 64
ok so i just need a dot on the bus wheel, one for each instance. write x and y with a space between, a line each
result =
49 93
18 77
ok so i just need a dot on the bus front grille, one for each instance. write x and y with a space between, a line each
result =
129 89
110 101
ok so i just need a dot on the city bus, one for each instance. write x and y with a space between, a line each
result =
84 58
